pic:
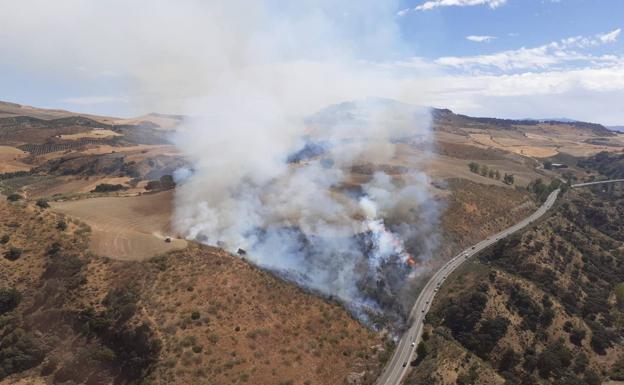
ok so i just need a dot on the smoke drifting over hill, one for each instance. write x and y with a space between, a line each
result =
250 73
308 219
302 215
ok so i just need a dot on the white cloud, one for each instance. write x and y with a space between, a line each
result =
458 3
480 38
541 57
610 37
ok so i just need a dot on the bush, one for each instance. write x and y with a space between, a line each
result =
13 254
577 336
19 351
61 225
195 315
153 185
5 239
14 197
166 182
42 203
9 299
107 187
553 360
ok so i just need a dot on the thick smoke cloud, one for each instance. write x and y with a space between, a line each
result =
310 199
269 173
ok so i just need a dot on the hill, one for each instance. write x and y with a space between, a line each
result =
541 307
194 315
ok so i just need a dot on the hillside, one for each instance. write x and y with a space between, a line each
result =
196 315
542 307
178 312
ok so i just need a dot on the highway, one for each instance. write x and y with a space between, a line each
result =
398 365
596 183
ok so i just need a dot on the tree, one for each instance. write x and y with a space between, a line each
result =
484 170
576 336
5 239
61 225
42 203
9 299
13 254
508 179
14 197
491 173
166 182
509 360
474 167
548 165
153 185
497 175
107 187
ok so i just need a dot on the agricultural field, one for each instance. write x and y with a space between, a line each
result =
126 228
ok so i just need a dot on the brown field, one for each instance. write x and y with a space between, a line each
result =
94 134
126 228
11 159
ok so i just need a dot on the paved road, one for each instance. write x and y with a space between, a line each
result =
596 183
398 365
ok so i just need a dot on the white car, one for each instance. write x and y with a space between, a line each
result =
413 344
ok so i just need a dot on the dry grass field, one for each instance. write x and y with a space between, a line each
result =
94 134
126 228
11 159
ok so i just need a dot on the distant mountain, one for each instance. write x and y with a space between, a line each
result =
562 120
616 128
446 118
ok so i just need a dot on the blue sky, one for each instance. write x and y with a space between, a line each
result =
504 58
442 31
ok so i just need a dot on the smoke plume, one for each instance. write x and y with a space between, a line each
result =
311 187
310 199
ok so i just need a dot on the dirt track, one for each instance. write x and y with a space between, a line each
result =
126 228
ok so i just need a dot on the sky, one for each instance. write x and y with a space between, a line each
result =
500 58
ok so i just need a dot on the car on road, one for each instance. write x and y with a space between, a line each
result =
405 364
413 344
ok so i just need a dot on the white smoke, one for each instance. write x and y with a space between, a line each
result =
304 214
254 74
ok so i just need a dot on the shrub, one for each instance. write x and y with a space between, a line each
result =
554 359
19 351
13 254
107 187
195 315
153 185
5 239
61 225
55 247
166 182
9 299
14 197
42 203
577 336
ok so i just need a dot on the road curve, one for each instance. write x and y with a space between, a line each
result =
398 365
